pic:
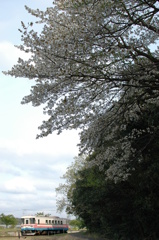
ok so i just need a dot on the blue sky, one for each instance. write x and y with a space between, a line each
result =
30 169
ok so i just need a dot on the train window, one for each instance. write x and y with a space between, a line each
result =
61 222
52 221
47 221
27 221
32 220
55 222
38 221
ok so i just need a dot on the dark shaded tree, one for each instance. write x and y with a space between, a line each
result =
127 208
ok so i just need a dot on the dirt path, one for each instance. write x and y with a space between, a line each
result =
80 236
68 236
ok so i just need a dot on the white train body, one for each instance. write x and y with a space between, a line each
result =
37 225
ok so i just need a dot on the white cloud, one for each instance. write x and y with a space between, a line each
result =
30 179
20 185
54 145
9 55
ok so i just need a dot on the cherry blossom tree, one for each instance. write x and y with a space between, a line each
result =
94 61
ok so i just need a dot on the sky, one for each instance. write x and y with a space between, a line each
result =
30 169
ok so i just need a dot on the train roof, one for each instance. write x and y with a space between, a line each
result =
33 216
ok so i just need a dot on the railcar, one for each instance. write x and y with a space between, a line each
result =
43 225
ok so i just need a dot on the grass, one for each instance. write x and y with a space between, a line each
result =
4 235
11 234
6 231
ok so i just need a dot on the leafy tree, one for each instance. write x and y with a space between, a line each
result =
128 209
39 214
8 220
77 223
64 191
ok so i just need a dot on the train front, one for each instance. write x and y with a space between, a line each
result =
28 225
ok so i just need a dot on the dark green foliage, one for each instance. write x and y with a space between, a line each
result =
126 210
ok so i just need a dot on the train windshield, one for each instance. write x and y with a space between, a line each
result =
28 220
